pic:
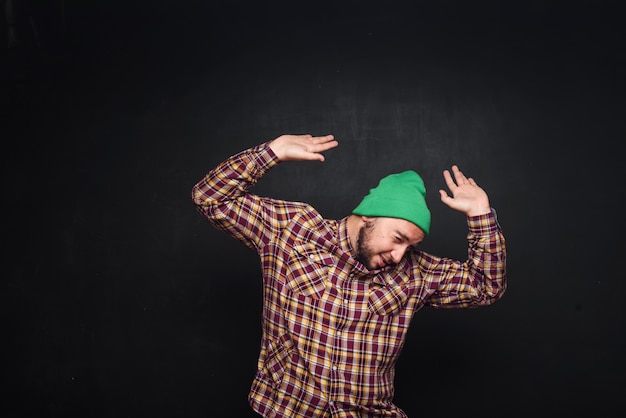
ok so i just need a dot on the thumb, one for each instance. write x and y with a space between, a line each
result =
447 199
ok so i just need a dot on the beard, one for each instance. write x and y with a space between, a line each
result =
364 253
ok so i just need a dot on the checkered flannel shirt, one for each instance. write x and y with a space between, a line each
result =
332 331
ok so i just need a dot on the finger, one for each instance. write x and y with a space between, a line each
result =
323 139
458 175
327 143
448 179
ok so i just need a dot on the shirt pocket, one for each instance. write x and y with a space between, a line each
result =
308 270
388 298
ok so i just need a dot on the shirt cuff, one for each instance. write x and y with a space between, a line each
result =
483 224
261 158
267 152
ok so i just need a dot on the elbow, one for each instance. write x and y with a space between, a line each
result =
498 295
197 197
495 292
194 195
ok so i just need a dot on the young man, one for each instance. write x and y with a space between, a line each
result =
339 295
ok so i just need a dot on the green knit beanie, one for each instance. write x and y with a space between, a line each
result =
399 195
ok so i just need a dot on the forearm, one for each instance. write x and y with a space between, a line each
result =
233 177
222 196
481 279
487 256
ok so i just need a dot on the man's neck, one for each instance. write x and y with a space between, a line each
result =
353 226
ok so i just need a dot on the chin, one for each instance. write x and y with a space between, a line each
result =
373 266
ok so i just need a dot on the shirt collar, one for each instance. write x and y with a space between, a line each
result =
344 238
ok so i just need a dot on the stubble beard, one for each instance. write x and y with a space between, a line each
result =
364 254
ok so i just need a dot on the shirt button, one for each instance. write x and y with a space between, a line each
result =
334 368
338 333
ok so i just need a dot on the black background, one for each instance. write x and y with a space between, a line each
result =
119 300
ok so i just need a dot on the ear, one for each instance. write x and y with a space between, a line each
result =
369 220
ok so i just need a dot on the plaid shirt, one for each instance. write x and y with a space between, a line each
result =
332 330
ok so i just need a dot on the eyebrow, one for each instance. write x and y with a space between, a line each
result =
402 235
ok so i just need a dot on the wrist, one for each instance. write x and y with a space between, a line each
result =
479 211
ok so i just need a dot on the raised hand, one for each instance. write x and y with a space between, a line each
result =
302 147
467 196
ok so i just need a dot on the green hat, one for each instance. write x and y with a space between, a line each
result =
401 196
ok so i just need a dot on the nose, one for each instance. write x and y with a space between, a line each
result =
398 252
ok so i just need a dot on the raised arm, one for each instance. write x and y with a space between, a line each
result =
223 194
481 279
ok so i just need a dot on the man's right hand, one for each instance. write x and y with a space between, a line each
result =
302 147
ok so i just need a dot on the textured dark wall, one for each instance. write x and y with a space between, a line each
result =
119 300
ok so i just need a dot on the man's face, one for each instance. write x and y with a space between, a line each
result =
383 241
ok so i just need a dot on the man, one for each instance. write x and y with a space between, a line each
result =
339 295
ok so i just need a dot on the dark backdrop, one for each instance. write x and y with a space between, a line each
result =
119 300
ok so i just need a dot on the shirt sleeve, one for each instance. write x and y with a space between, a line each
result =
478 281
223 198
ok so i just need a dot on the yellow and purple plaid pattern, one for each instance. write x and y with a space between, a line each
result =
332 330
